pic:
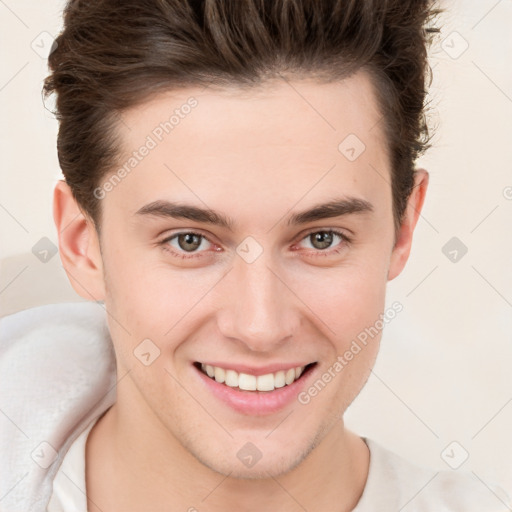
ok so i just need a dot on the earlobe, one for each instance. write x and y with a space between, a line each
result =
79 246
402 248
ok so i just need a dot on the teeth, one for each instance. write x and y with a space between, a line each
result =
279 380
231 378
247 382
289 376
267 382
220 374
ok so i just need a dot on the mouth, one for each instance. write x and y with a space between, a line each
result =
247 382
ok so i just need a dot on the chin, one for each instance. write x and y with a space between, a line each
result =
267 463
270 468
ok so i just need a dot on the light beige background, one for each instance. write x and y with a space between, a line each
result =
444 372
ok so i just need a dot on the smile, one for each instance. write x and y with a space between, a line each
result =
255 391
249 382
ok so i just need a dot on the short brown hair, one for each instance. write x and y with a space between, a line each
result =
114 54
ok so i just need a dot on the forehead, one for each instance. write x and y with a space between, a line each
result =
303 107
281 137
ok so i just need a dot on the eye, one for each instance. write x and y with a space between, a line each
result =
325 239
186 242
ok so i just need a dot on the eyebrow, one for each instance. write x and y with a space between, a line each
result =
334 208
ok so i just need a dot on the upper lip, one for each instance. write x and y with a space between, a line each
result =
256 370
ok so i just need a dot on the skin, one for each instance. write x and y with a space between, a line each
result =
258 157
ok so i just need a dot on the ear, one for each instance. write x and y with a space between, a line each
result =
402 248
79 245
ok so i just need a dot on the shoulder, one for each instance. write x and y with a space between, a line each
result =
54 317
395 483
57 372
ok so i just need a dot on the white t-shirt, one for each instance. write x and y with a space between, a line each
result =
393 485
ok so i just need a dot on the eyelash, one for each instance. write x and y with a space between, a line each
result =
345 240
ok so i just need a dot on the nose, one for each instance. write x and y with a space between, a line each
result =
258 309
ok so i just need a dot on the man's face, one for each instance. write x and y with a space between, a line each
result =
266 293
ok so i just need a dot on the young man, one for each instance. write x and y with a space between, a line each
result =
239 188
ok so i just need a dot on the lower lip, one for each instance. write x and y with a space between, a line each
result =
256 403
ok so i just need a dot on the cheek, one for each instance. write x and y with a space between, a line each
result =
350 306
151 299
347 299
